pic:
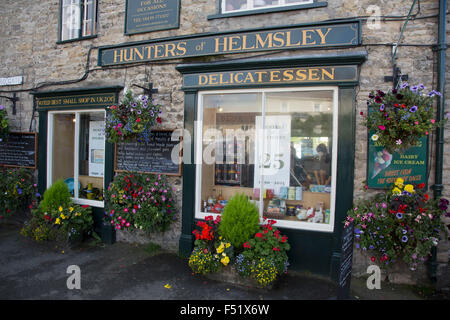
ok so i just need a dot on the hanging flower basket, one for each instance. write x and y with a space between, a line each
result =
399 224
4 124
132 120
399 118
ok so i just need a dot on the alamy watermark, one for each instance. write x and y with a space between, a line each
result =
374 280
74 280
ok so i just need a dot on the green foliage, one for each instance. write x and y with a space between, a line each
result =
401 117
400 223
57 195
140 201
17 191
4 124
202 261
240 220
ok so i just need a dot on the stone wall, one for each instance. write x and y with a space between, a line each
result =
29 35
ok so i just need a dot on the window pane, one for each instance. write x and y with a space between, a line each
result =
297 156
233 5
91 155
63 147
89 18
228 148
70 20
265 3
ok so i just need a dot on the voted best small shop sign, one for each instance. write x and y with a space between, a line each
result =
151 15
383 168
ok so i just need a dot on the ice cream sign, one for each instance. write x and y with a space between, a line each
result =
384 168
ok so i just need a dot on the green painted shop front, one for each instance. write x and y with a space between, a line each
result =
316 251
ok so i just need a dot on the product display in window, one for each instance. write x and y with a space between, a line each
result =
274 147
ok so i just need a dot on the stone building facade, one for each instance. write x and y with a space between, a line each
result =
30 47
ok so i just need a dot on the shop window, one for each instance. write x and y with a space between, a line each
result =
76 153
273 145
78 19
244 5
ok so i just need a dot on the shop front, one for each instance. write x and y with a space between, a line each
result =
72 145
280 131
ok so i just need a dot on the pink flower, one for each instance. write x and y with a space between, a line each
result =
432 120
126 209
426 132
382 128
416 122
127 224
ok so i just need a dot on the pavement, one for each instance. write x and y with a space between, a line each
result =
38 271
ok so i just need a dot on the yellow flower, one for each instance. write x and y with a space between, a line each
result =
77 214
225 260
62 216
57 221
409 188
227 245
220 248
60 209
399 182
396 191
71 209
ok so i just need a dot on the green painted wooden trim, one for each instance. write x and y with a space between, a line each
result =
357 57
188 208
42 152
76 91
266 10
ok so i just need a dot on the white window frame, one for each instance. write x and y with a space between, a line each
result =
80 27
50 127
251 6
198 151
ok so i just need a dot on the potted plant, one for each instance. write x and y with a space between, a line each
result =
132 119
401 223
400 117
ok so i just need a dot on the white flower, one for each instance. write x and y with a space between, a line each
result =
375 137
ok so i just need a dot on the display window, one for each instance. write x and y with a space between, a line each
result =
277 146
76 153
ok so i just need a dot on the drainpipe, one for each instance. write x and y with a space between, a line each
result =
441 47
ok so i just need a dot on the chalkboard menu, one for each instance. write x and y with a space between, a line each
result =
153 157
20 150
151 15
345 266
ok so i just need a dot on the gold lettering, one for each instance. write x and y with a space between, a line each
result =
149 53
236 79
272 76
202 79
323 36
288 75
115 55
181 47
307 37
171 50
300 75
278 37
312 74
130 58
159 51
221 79
137 52
328 74
262 44
213 79
288 40
249 77
244 42
218 44
233 43
260 73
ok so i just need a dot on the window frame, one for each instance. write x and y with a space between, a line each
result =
80 36
50 127
198 151
269 9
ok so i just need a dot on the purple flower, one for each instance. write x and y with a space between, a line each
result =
404 85
378 99
404 239
382 107
413 109
414 89
2 107
399 215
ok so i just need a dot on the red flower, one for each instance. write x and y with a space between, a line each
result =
421 185
247 245
372 259
258 235
138 120
276 249
158 120
426 197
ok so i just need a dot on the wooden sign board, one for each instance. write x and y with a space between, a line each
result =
20 150
153 157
